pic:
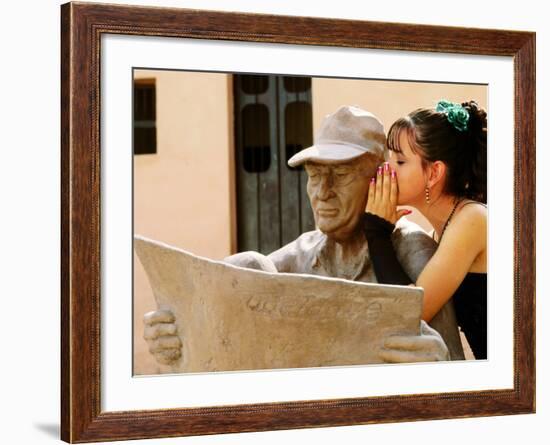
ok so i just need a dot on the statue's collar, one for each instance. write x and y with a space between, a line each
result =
341 260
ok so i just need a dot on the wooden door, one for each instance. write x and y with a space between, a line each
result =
273 121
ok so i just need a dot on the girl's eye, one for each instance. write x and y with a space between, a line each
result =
400 162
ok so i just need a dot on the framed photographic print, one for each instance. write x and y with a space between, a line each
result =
184 183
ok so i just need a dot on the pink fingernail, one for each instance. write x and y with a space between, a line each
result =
372 180
379 171
386 167
393 174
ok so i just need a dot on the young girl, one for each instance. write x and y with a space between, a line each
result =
438 165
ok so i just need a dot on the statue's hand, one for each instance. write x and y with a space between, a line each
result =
161 336
426 347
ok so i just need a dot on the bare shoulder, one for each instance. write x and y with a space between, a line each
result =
305 242
465 240
467 231
471 215
292 257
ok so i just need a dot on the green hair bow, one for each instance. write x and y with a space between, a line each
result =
456 114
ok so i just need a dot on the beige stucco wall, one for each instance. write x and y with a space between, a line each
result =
184 194
389 100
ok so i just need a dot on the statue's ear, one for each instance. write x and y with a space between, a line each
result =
369 162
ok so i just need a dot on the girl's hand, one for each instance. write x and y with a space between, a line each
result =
382 199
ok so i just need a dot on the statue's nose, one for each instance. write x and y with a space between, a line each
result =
324 190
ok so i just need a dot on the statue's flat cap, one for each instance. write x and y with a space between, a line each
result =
346 134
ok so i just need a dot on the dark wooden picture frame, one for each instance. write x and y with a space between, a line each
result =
82 26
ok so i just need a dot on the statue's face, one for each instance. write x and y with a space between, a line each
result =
338 194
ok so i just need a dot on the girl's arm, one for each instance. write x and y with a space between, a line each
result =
387 268
465 239
378 224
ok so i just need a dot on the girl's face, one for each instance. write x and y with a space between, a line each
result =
411 177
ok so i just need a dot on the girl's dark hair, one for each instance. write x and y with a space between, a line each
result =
434 138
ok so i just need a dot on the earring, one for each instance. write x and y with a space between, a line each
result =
427 191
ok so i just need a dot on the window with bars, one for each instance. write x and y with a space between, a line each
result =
256 146
145 126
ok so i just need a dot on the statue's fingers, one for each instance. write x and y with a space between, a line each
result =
152 332
163 343
168 356
405 342
398 356
430 346
160 316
